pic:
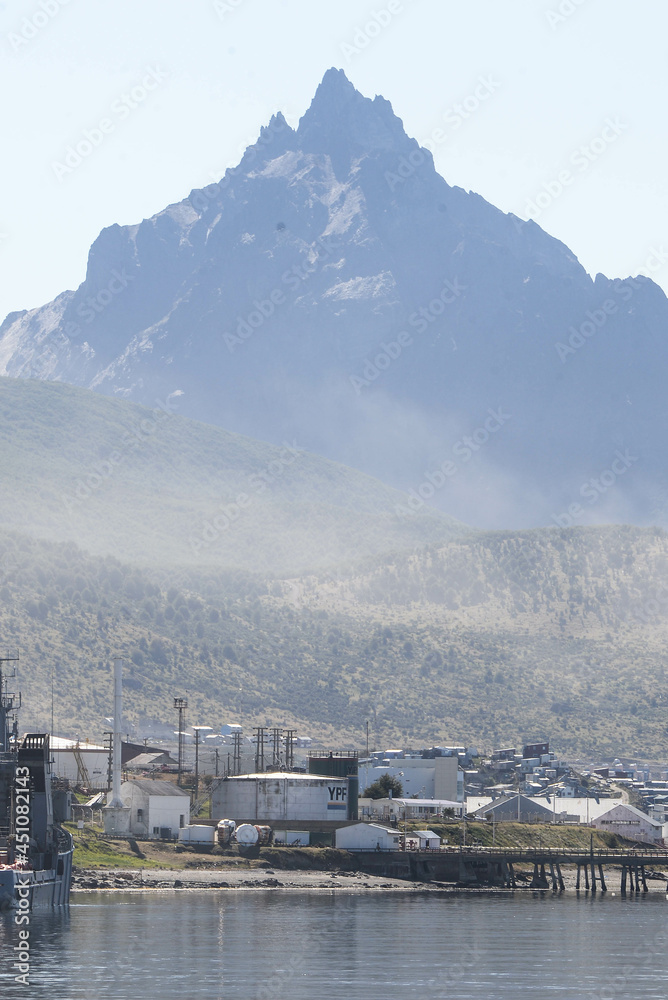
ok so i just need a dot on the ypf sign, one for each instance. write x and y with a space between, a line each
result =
338 799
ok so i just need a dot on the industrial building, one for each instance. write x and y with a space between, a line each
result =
152 762
627 821
283 797
81 763
428 778
158 809
395 809
519 809
88 764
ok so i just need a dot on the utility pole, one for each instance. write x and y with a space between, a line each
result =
259 748
289 749
109 743
276 736
181 705
198 729
367 739
236 754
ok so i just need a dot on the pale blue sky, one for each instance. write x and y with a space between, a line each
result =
556 72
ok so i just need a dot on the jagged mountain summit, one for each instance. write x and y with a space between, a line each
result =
334 289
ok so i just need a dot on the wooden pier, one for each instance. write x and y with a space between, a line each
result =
496 866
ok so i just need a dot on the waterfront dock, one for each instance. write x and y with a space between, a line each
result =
497 866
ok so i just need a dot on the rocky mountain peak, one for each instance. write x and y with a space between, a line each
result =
346 125
333 289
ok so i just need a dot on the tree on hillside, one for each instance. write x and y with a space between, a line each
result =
384 787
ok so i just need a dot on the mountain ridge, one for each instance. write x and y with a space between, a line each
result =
264 298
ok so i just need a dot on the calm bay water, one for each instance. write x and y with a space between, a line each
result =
317 945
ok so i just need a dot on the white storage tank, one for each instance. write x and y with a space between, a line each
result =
281 796
247 835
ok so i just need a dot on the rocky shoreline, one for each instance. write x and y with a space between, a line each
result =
95 879
225 878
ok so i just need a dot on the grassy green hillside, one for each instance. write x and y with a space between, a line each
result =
499 638
151 487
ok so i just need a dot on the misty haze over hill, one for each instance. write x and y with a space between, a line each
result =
334 289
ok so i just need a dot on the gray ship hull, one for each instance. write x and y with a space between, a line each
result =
49 887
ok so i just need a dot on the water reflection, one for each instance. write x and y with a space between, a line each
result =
252 944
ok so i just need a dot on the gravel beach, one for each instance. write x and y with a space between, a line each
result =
95 879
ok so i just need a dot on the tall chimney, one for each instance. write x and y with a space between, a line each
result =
116 801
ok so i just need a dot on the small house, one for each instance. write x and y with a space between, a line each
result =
368 837
158 809
422 840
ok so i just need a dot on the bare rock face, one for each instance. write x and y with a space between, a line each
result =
333 288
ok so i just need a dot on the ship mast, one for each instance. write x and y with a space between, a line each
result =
9 705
